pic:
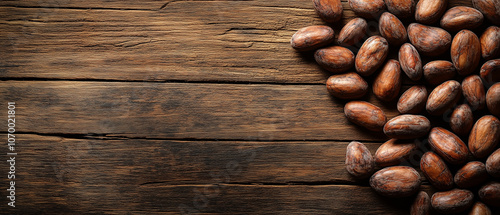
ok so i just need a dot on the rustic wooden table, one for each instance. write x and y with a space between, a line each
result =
165 107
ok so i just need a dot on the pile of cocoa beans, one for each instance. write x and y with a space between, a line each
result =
451 108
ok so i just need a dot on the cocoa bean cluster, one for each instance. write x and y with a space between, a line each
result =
449 114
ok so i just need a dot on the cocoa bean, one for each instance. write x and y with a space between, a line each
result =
387 84
465 52
413 100
461 17
436 171
453 201
359 161
484 136
407 126
365 114
396 181
462 120
312 37
335 59
429 41
448 145
347 86
329 10
471 175
371 55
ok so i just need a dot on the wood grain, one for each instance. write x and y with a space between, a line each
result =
243 41
93 175
140 161
148 5
189 40
165 107
180 111
79 198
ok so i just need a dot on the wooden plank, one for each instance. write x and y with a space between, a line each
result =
80 198
159 5
195 41
176 110
187 40
145 4
77 176
139 161
90 175
91 4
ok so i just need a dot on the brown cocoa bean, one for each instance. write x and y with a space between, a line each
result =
371 55
396 181
393 152
490 72
448 145
429 41
493 99
461 17
407 126
453 201
387 84
413 100
490 43
421 205
484 136
465 52
392 29
439 71
493 164
365 114
436 171
410 61
471 175
336 59
329 10
473 91
401 8
443 97
347 86
490 9
359 160
367 8
430 11
490 194
353 32
462 120
312 37
480 209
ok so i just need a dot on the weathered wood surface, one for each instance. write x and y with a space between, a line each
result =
93 138
244 41
76 198
173 162
187 40
93 175
183 111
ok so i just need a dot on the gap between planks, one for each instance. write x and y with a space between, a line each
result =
111 136
171 81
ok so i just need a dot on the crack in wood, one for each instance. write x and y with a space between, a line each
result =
311 9
77 8
169 2
52 21
166 4
124 44
161 81
111 136
262 183
253 29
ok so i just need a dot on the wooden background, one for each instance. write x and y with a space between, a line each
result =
165 107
